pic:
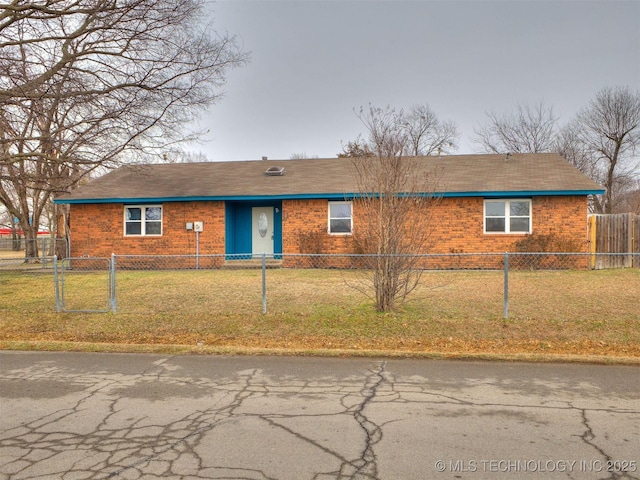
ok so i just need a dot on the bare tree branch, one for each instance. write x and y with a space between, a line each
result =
87 85
395 207
417 131
427 134
527 130
603 141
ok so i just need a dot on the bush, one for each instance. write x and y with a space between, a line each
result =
311 241
552 243
547 243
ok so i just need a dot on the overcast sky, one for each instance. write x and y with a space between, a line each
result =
314 62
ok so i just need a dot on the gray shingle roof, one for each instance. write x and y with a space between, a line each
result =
457 174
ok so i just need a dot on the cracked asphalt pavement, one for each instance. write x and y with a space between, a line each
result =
75 416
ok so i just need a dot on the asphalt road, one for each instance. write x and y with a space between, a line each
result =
79 416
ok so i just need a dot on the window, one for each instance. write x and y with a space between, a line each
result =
507 216
143 220
340 219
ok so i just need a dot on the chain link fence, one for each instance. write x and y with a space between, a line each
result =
13 252
84 285
483 285
143 283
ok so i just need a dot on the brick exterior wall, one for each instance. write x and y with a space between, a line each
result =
457 225
98 229
302 219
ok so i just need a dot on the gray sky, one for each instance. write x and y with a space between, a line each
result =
314 62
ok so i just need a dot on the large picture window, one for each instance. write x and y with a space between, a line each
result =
340 218
143 220
507 216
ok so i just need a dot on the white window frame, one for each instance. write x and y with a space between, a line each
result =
350 218
507 216
143 222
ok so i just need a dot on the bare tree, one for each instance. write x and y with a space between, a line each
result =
7 221
301 156
89 85
427 134
394 208
423 133
568 145
527 130
606 136
630 201
355 148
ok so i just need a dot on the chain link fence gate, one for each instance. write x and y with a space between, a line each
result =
85 285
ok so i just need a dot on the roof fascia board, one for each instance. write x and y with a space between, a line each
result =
208 199
525 193
329 196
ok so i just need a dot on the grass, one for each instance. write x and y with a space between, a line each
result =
587 314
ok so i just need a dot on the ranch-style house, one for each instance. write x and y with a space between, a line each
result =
487 203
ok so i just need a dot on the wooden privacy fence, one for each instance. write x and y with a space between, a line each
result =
615 234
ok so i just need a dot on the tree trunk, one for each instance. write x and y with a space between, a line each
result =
30 241
61 230
16 244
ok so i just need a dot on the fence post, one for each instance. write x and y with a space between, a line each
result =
197 250
113 301
56 287
264 283
506 285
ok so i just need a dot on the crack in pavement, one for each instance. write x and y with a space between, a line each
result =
589 437
367 467
314 443
109 452
191 444
206 424
363 467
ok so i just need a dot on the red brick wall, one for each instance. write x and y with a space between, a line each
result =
300 217
460 228
457 225
98 230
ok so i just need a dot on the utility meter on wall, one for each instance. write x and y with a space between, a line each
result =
198 226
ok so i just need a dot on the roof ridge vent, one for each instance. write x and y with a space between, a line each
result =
274 171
